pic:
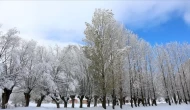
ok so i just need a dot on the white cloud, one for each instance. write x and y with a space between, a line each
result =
187 17
62 22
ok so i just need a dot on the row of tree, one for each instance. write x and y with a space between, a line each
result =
114 65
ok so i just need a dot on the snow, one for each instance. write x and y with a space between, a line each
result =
50 106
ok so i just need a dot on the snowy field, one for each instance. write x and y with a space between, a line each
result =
50 106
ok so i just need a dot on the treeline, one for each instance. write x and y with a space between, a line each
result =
113 66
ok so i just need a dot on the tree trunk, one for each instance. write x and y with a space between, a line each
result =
153 89
108 102
121 97
148 101
64 100
27 99
131 101
95 100
5 97
113 99
88 100
165 85
39 102
123 100
185 81
81 99
154 102
183 89
104 102
65 104
130 76
56 102
134 98
73 100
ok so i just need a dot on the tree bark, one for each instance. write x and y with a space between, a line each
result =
165 85
183 89
124 100
135 101
88 100
104 102
121 97
65 104
5 97
73 100
153 89
113 99
56 102
108 102
185 81
65 100
27 99
95 100
39 102
81 99
154 102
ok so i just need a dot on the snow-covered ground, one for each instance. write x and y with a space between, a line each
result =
50 106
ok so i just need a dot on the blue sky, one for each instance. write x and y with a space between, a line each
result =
173 30
63 22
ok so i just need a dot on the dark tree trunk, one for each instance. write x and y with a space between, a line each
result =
131 101
165 85
175 99
148 101
144 102
73 100
153 89
27 99
131 92
154 102
56 102
64 100
180 101
123 100
142 93
113 99
183 89
81 99
88 103
95 100
65 104
103 90
135 100
121 97
178 97
185 81
104 102
108 102
89 98
5 97
39 102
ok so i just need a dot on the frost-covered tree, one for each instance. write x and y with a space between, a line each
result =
45 83
103 37
31 69
98 40
9 63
